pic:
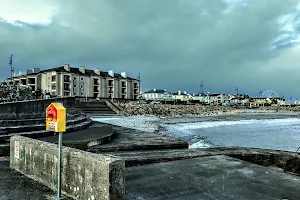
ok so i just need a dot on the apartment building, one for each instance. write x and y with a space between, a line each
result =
70 81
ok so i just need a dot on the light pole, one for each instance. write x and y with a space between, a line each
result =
237 90
201 86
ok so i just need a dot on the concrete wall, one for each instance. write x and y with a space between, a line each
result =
84 175
32 109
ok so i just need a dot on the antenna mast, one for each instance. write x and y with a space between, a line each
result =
11 65
201 86
139 79
237 90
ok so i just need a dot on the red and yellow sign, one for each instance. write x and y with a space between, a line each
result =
56 117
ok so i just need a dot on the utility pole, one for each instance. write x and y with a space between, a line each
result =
201 86
139 79
11 67
237 90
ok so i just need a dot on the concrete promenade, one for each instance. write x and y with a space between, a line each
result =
161 167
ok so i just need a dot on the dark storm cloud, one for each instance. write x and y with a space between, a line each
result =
173 43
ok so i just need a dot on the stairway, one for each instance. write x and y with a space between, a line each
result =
99 108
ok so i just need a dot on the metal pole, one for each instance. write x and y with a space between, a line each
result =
59 166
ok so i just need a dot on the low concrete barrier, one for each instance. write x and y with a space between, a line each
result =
32 109
84 175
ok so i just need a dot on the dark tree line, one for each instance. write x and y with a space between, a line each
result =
9 93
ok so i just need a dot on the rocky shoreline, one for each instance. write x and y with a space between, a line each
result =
196 110
173 110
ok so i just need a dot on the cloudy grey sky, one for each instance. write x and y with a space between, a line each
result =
175 44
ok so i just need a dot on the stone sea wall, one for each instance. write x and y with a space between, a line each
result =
172 110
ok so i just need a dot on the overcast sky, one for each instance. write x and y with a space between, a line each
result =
174 44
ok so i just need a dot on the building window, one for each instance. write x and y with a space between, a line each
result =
74 78
54 78
81 79
81 94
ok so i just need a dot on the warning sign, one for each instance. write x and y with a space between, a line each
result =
56 117
52 126
17 149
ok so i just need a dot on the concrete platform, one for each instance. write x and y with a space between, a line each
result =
83 139
127 139
210 178
14 185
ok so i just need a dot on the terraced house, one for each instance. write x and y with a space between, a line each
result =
81 82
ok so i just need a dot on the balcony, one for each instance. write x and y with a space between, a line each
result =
96 89
110 90
32 88
123 90
53 78
110 83
53 86
67 87
96 95
31 81
123 84
96 81
66 79
23 81
135 85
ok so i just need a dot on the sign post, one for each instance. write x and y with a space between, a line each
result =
56 121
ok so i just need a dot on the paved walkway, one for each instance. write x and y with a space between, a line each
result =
210 178
16 186
83 139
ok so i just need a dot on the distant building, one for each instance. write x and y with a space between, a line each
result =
181 96
217 99
157 95
69 81
198 98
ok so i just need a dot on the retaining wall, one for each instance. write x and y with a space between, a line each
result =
31 109
84 175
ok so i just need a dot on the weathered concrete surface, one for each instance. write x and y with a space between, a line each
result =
127 139
85 138
288 161
14 185
84 175
209 178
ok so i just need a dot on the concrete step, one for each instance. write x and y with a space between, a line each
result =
36 127
42 133
24 122
83 139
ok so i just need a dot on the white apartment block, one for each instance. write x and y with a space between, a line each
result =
69 81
